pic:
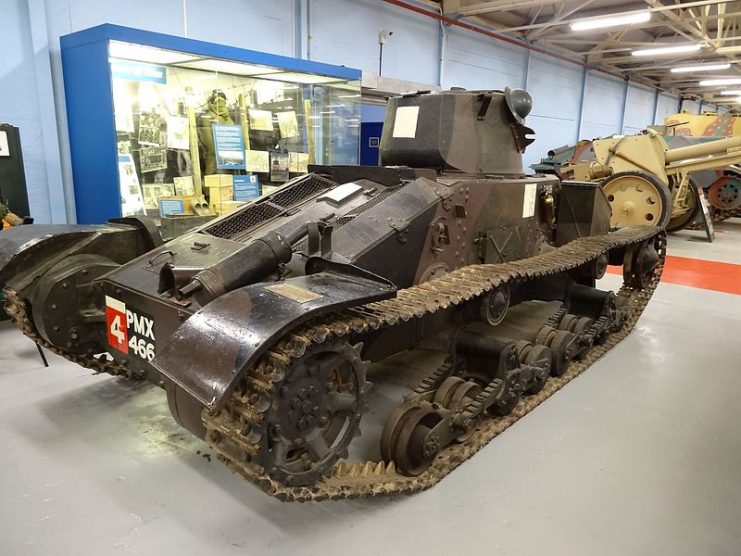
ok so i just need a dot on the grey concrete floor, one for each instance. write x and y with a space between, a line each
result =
639 455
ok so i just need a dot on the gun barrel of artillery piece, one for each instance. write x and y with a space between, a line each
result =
721 146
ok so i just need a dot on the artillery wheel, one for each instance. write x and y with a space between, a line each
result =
315 414
404 439
637 198
692 200
453 394
725 193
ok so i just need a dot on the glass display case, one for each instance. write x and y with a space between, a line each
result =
193 130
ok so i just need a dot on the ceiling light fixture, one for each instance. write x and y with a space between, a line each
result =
668 49
731 92
720 82
701 67
615 20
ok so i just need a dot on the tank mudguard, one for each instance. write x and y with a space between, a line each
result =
19 243
26 252
209 354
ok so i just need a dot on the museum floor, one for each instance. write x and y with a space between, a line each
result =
640 455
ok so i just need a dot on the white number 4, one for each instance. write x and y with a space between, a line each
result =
116 331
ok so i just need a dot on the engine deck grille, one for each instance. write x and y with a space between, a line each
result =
243 221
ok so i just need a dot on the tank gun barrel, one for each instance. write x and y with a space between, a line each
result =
721 146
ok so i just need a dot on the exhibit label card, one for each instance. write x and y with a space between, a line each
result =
184 185
177 132
229 145
287 124
261 120
132 200
258 161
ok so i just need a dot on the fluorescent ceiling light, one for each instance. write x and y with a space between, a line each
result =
668 49
627 18
731 92
701 67
720 82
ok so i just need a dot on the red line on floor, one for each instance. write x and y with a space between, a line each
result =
697 273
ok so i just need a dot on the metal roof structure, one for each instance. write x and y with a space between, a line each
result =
714 25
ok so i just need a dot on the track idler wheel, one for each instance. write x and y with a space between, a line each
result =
562 344
407 437
639 263
454 394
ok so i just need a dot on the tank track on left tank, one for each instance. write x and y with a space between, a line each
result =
235 432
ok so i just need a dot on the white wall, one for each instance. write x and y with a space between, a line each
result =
639 108
19 99
556 89
667 105
604 98
474 61
343 32
691 106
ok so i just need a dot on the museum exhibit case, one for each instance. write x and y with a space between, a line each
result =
183 130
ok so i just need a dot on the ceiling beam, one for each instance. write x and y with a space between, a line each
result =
658 8
560 17
507 5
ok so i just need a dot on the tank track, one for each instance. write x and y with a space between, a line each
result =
719 215
18 311
236 432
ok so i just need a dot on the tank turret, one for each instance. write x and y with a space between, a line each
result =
477 132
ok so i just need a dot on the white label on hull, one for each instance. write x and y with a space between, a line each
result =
405 124
528 200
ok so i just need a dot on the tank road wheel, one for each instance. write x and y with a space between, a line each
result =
725 193
315 414
563 347
537 356
454 394
405 438
692 201
637 198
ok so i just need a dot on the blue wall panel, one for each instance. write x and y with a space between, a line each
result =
556 90
639 109
603 106
345 32
474 61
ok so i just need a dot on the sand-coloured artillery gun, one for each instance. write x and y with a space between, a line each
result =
261 325
646 181
722 185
